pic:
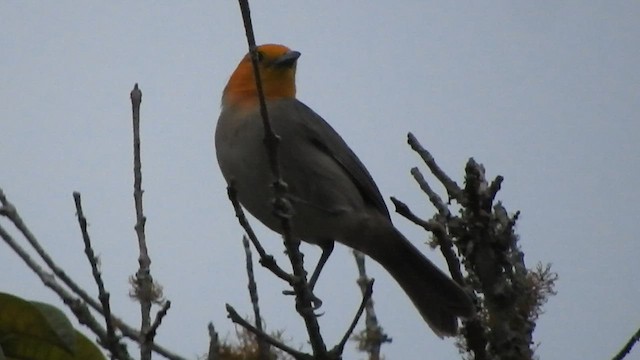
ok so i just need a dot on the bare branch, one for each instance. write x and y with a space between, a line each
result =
439 229
214 344
112 340
373 336
48 279
151 334
143 285
263 347
435 199
628 346
77 307
453 190
495 187
511 296
236 318
266 260
282 207
336 352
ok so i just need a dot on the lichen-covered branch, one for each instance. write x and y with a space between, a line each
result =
508 295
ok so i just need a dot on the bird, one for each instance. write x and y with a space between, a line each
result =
332 195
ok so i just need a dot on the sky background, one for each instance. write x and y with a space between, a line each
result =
545 93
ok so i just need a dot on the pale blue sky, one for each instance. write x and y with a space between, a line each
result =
544 93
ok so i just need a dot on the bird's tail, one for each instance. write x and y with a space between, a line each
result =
439 299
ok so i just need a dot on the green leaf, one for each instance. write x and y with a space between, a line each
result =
86 349
21 318
38 331
59 323
32 349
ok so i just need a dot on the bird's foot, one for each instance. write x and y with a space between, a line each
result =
316 302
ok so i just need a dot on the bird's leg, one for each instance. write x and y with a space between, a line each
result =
327 249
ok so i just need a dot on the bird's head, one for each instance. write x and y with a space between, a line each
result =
277 64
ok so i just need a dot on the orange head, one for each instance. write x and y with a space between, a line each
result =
277 64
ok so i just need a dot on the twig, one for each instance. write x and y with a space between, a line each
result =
495 187
134 335
236 318
445 227
374 336
453 190
263 347
151 334
143 280
266 260
214 344
270 138
282 207
76 306
113 341
435 199
83 314
403 209
336 352
439 230
9 210
628 346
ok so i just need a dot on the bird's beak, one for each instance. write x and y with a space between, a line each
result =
288 59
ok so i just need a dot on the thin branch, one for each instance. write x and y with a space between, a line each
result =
143 287
445 228
153 329
263 347
83 314
435 199
403 209
236 318
9 211
373 336
113 341
495 187
628 346
339 348
271 139
214 343
266 260
77 307
282 207
439 230
134 335
453 190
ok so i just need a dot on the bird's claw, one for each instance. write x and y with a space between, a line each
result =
316 302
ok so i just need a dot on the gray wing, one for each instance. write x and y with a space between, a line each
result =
327 140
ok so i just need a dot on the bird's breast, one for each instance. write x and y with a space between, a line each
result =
322 194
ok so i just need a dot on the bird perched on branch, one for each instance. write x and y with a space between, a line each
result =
332 194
